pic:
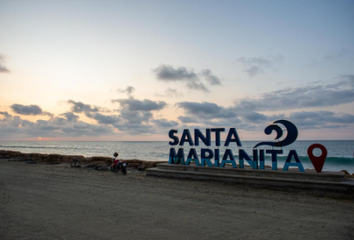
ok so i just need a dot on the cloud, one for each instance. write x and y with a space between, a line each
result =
210 78
208 115
168 73
257 65
3 69
303 97
138 105
128 90
136 116
207 110
321 119
193 81
253 71
29 110
11 126
197 86
5 114
79 107
103 119
185 119
70 117
163 123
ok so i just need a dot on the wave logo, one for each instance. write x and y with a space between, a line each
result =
291 136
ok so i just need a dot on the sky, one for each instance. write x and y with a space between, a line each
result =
133 70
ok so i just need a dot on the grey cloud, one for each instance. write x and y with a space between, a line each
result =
26 110
79 107
206 115
55 127
197 86
321 119
229 122
128 90
210 78
70 117
185 119
46 125
303 97
135 117
3 69
253 71
167 73
164 123
103 119
138 105
5 114
256 65
255 117
207 109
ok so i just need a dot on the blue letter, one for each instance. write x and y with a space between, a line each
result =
274 158
228 154
217 135
186 136
232 132
217 157
242 155
261 159
192 156
175 138
205 158
176 158
198 134
297 162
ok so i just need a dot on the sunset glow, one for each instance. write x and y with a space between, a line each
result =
132 70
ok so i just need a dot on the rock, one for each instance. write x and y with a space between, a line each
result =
146 165
101 159
134 165
58 158
347 175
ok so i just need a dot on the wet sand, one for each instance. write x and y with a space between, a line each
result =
57 202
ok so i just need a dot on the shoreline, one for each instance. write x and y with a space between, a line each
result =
18 156
95 160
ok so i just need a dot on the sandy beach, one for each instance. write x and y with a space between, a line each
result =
39 201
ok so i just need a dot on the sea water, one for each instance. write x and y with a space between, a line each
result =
340 153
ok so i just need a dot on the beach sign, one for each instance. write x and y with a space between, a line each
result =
317 161
215 158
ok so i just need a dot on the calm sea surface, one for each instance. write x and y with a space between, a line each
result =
340 153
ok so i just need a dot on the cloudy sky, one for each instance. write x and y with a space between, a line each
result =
133 70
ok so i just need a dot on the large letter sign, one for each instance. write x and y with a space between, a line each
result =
215 158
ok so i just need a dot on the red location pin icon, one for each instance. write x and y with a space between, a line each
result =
317 162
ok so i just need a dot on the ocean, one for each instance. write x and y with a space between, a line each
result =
340 153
